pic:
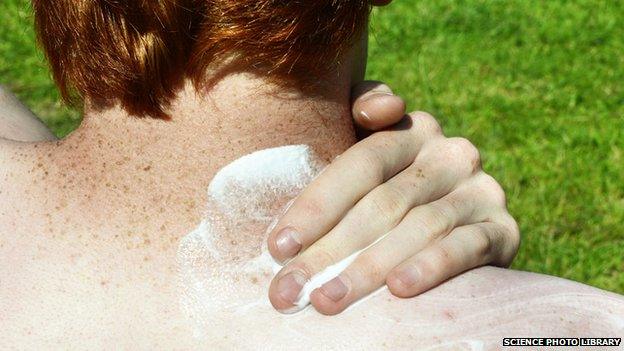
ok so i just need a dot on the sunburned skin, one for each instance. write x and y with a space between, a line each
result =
225 271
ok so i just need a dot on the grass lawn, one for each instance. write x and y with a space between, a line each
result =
538 86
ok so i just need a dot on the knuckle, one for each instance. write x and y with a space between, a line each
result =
425 123
387 143
462 150
442 214
369 161
495 193
429 266
388 202
432 221
443 258
369 268
482 242
504 240
315 260
513 234
312 207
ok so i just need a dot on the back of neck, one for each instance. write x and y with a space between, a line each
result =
176 159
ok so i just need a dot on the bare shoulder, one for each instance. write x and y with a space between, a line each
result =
17 122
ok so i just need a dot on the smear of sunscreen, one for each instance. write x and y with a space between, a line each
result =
225 266
326 275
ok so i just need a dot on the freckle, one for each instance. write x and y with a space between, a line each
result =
146 241
449 315
147 168
146 258
104 283
254 280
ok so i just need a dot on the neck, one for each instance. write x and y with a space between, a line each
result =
241 111
207 130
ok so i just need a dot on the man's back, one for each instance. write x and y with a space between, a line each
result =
110 239
93 281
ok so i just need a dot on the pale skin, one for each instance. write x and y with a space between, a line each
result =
451 244
90 227
442 212
18 123
409 180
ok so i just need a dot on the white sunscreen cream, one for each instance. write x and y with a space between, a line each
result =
225 267
326 275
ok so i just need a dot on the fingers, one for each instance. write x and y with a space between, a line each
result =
359 170
421 226
375 107
464 248
439 187
425 181
324 202
377 213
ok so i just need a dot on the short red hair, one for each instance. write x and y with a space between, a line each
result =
138 52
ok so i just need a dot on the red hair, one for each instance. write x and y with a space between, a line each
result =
138 53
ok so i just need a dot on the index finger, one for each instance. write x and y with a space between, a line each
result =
343 183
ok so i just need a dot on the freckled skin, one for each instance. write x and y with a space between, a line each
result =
90 249
93 222
90 227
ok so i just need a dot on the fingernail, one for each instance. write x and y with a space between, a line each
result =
365 115
375 94
288 242
289 286
335 289
408 276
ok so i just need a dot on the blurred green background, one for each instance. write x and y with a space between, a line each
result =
537 85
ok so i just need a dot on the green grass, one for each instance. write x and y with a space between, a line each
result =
538 86
24 71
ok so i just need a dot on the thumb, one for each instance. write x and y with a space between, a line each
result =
375 107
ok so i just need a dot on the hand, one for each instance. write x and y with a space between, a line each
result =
438 212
